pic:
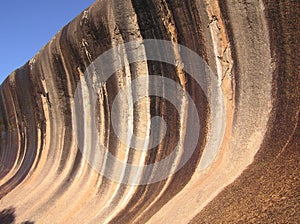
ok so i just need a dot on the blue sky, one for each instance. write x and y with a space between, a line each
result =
26 26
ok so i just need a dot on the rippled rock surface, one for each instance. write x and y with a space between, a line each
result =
195 121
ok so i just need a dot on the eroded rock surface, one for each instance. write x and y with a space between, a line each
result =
245 167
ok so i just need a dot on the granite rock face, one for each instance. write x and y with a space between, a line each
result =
244 167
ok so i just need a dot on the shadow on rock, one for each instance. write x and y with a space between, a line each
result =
7 216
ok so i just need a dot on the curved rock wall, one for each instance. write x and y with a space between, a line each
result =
245 163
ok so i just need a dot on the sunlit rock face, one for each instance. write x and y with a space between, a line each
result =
196 120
